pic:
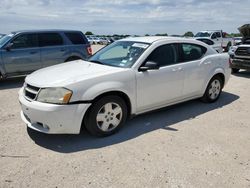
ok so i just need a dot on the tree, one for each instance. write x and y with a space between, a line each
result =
89 33
189 34
164 34
147 35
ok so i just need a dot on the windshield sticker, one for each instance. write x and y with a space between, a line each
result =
124 61
122 64
10 35
140 45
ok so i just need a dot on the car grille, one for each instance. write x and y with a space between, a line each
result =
243 51
31 92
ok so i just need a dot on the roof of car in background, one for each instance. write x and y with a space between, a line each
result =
44 30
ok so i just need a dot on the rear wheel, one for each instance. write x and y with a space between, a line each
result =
213 90
106 116
235 70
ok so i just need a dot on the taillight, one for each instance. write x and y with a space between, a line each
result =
89 49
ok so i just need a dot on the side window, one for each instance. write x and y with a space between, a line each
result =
25 41
207 41
192 52
164 55
75 38
214 36
218 34
50 39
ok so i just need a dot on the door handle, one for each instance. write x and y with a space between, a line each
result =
177 69
62 50
207 63
34 52
180 69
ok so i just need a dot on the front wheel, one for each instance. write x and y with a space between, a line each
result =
106 116
213 90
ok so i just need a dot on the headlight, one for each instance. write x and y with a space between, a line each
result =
54 95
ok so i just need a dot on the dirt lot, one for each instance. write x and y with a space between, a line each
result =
187 145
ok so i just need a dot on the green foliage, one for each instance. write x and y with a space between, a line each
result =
235 35
89 33
163 34
189 34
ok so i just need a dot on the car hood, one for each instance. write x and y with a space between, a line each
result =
245 30
67 73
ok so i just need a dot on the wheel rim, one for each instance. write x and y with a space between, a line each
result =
109 116
214 89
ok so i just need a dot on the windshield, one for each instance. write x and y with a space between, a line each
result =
120 54
203 34
4 39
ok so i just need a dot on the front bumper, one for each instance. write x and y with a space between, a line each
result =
51 118
240 63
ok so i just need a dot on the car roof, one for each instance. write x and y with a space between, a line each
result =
207 38
43 30
152 39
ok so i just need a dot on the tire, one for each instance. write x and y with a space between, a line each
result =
72 59
213 90
234 70
106 116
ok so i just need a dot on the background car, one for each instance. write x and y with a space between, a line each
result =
217 36
237 41
215 45
23 52
241 57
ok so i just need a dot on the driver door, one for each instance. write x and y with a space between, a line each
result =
156 88
23 55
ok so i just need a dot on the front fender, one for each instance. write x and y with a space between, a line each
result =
111 86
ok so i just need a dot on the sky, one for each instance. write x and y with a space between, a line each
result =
125 17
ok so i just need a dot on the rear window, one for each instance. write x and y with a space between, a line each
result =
50 39
75 38
192 52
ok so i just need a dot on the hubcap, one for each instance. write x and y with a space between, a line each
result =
214 89
109 117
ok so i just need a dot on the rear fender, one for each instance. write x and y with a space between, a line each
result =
211 74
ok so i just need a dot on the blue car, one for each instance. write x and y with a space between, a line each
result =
23 52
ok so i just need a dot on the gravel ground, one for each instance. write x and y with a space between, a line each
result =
187 145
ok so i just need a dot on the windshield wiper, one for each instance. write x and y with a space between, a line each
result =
97 62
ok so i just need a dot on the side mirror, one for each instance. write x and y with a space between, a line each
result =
149 65
8 46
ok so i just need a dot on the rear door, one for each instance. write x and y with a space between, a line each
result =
79 46
53 50
190 57
23 56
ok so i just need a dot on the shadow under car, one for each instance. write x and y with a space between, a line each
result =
142 124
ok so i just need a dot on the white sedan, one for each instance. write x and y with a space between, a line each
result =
126 78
